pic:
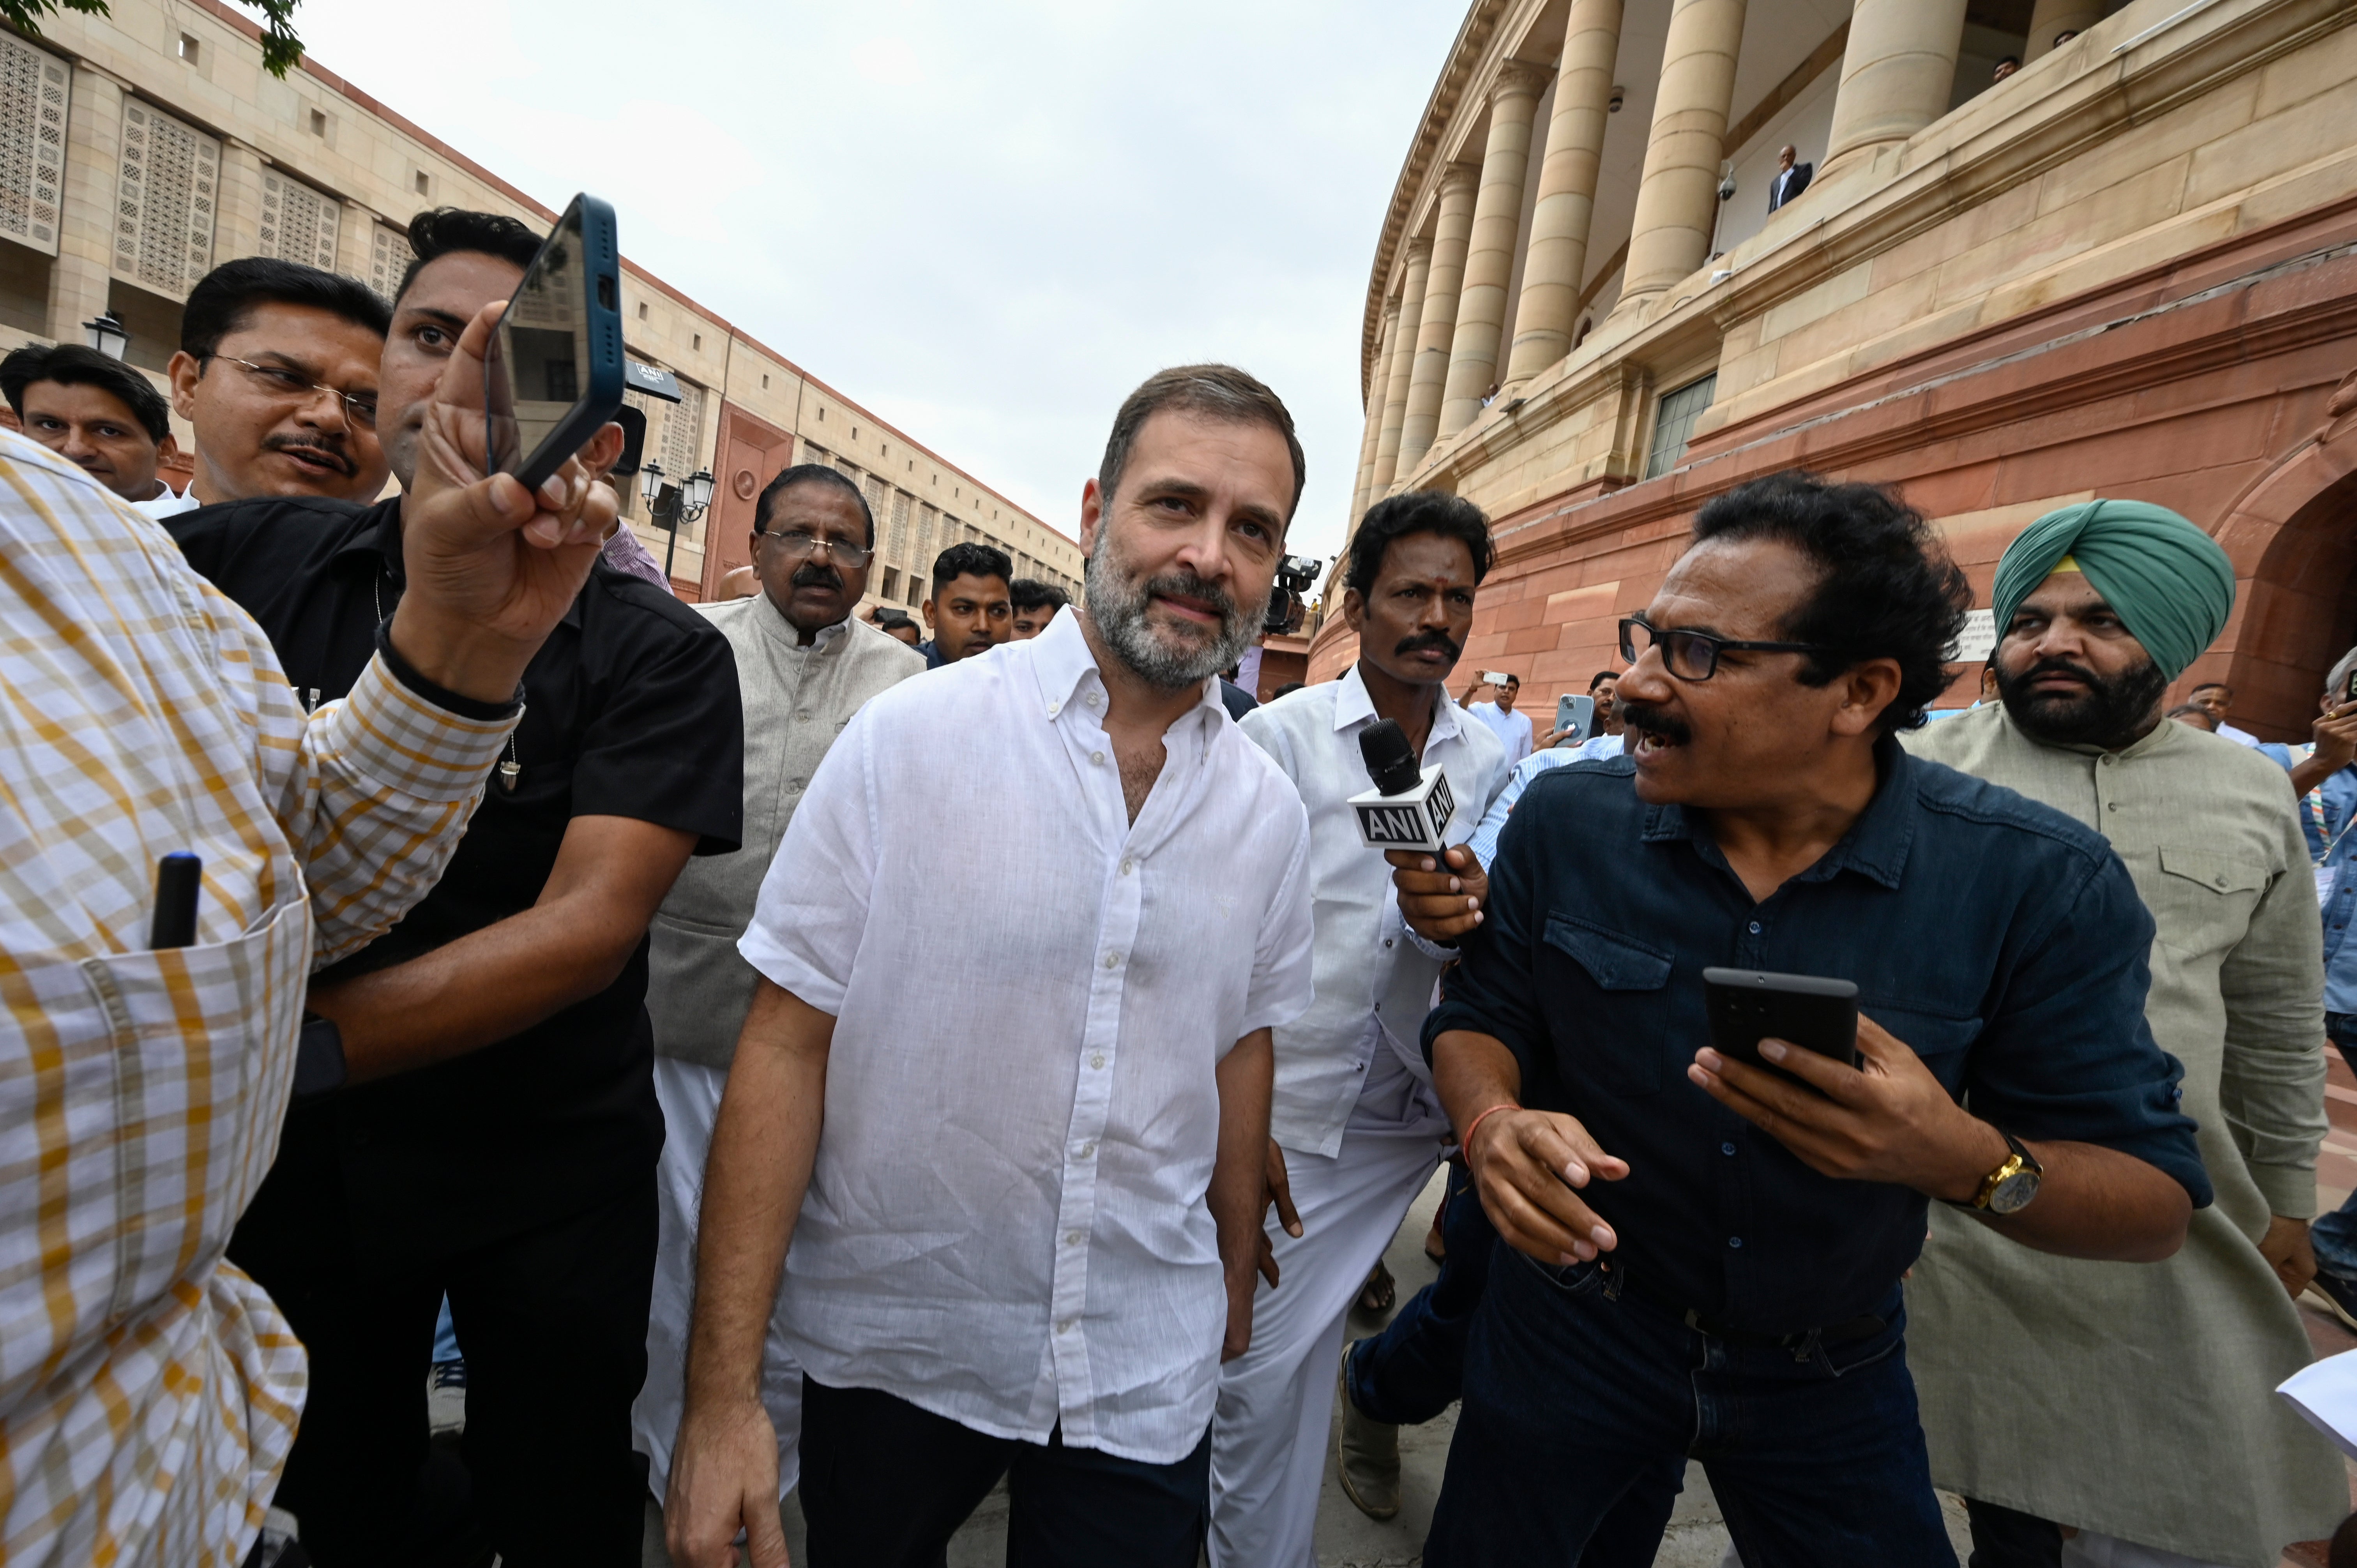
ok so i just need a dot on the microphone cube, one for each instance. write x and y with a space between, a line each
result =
1417 819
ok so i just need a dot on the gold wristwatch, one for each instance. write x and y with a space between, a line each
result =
2008 1188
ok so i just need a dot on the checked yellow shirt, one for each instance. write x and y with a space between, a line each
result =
149 1391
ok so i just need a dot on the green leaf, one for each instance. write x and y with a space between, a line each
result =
281 49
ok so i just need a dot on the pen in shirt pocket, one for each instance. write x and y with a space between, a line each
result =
178 876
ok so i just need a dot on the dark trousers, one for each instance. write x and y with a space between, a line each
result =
1582 1406
2004 1538
885 1485
1416 1367
553 1321
2334 1235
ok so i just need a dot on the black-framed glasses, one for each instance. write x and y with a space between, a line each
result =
278 381
800 545
1694 655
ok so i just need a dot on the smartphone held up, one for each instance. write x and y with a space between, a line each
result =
553 374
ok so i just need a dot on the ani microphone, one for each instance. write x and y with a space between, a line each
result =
1406 810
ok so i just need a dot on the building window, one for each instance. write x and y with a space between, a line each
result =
696 343
298 223
891 581
319 124
643 310
1674 422
189 47
765 383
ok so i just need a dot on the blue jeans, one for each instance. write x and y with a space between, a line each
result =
2334 1235
1416 1367
1583 1402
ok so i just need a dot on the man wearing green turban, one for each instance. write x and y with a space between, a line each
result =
2063 1393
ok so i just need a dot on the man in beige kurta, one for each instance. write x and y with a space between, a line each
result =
804 665
2134 1402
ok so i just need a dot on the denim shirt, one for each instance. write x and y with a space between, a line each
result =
2339 908
2002 941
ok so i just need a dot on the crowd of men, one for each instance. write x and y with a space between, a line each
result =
774 1047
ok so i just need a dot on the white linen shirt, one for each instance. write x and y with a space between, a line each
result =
1373 979
1513 730
1006 1222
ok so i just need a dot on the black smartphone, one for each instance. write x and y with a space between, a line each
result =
554 372
1748 1006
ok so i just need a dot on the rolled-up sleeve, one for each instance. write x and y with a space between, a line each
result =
2067 1053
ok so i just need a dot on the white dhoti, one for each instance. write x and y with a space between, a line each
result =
690 1096
1277 1399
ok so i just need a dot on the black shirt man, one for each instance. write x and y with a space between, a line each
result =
1702 1256
499 1142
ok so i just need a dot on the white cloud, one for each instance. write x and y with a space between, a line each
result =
987 223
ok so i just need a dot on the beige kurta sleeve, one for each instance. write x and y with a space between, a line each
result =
2271 1083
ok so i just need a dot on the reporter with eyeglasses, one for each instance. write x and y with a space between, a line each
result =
277 372
1702 1255
805 664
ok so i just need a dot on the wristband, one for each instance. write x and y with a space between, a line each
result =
1466 1142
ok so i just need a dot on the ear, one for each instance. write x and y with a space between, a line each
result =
1092 517
927 607
602 451
1354 610
8 421
1865 690
168 451
185 372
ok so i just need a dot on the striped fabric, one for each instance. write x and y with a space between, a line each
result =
149 1391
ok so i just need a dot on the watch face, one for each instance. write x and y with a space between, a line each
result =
2014 1193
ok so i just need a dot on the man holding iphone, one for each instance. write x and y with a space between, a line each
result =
2099 607
1704 1253
1513 729
499 1142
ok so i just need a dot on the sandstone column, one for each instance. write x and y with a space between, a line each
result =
1489 253
237 230
1896 75
2048 17
1551 272
1435 332
1403 364
84 264
1677 200
1379 381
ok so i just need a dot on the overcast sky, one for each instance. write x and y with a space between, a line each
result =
985 221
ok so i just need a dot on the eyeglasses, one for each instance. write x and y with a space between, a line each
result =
1694 655
274 380
800 546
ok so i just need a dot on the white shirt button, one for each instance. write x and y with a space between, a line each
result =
1088 1151
1096 700
1112 960
1097 758
1071 1238
1096 1060
1127 866
1054 708
1065 1327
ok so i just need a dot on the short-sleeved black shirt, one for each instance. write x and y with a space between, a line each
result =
631 710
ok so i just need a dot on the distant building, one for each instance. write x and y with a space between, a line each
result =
2129 269
139 151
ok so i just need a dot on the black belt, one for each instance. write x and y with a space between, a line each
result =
1621 1277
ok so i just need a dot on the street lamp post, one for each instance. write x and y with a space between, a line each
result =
107 334
676 506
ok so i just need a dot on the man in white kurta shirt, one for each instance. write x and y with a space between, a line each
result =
1513 729
1004 1083
1354 1112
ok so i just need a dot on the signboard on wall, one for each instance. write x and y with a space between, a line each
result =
1977 640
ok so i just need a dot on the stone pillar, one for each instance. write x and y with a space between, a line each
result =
84 263
1551 272
1435 332
1489 253
1378 381
237 227
2048 17
1677 199
1896 75
1403 365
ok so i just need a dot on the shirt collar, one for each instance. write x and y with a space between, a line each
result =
1354 705
1877 843
1063 664
773 619
377 533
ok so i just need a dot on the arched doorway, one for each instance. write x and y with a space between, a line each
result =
2293 537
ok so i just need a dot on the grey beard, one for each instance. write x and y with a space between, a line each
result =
1118 608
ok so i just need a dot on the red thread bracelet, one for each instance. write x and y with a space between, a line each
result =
1466 1142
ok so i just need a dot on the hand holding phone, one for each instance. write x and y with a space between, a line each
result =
1575 713
1748 1006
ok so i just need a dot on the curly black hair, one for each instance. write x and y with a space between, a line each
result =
1415 512
1889 589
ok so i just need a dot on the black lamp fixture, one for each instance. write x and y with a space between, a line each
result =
675 506
106 333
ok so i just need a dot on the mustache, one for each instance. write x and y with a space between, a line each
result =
1645 716
1437 640
332 452
1188 585
812 575
2061 667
